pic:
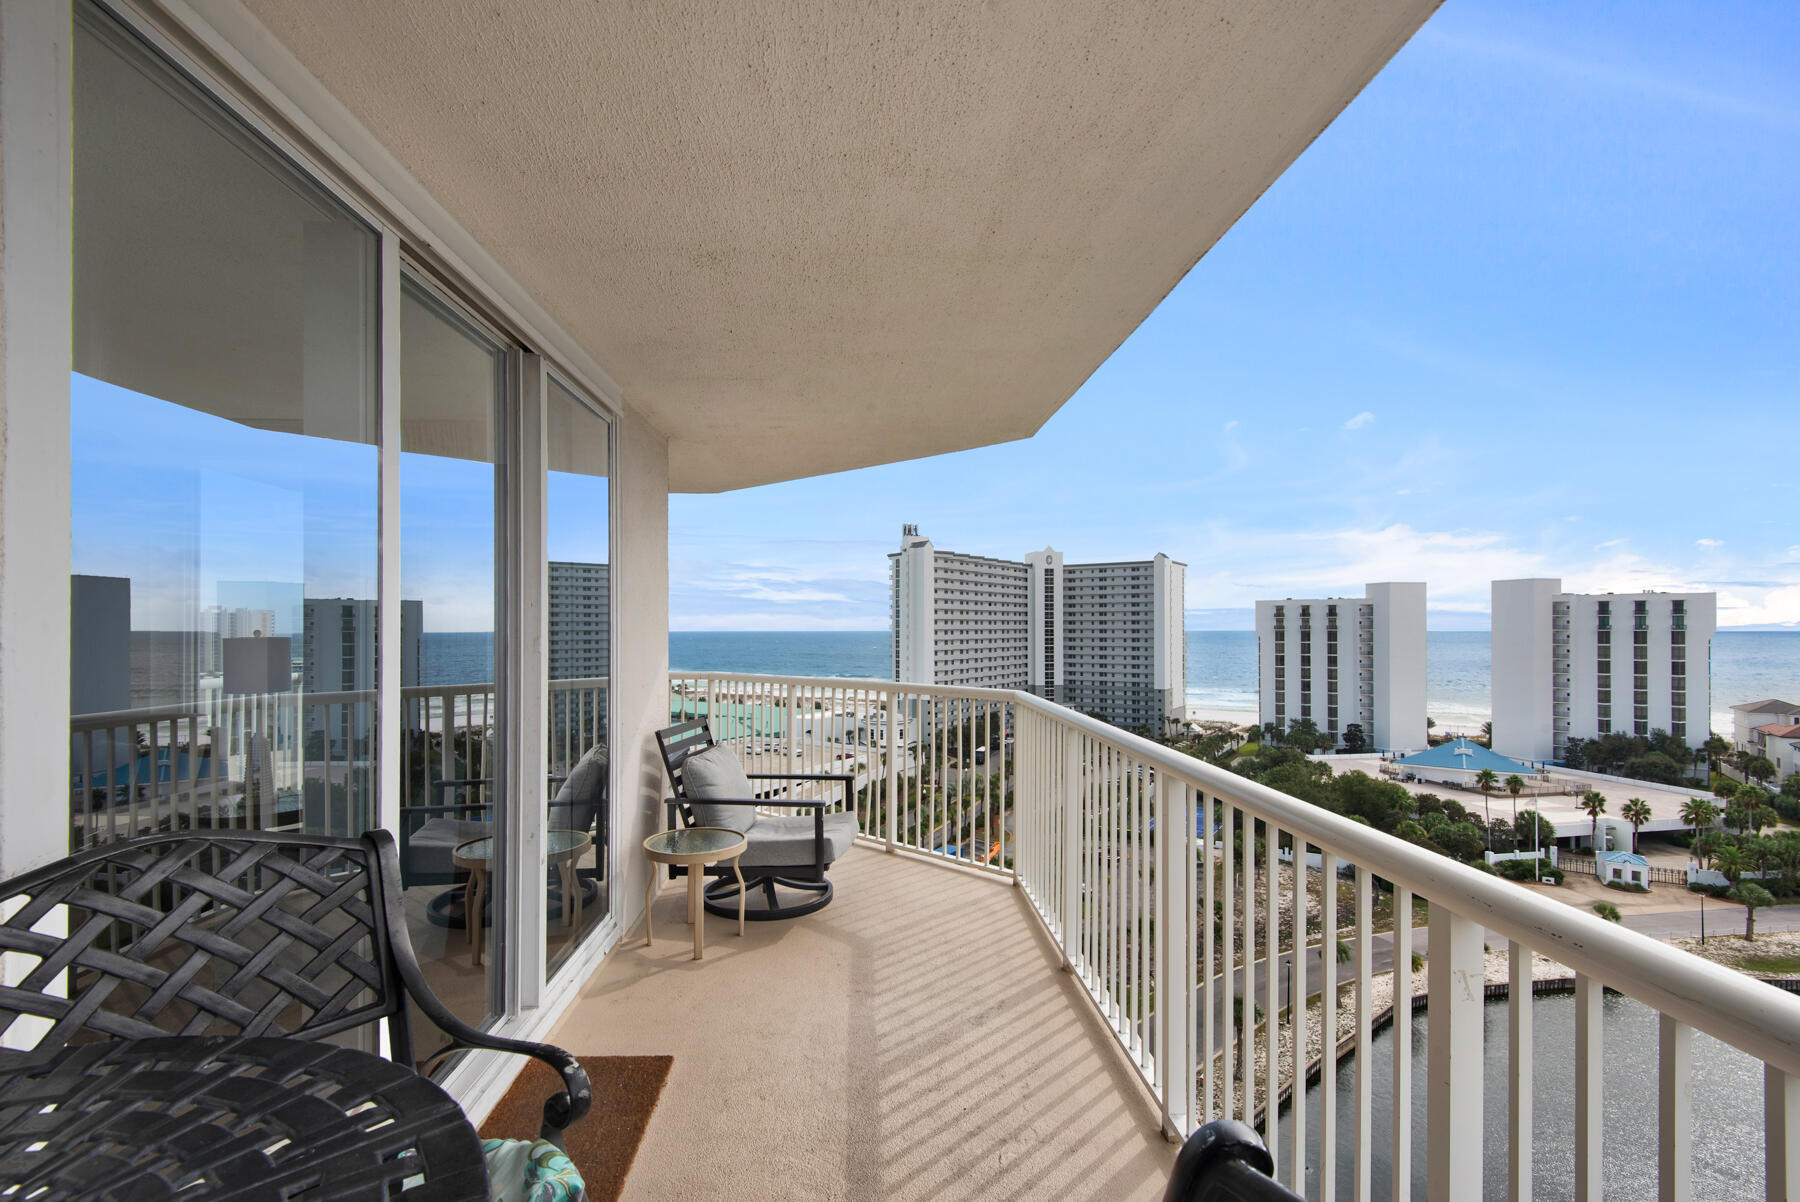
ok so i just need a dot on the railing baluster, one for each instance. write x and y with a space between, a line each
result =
1301 1022
1209 960
1365 1022
1455 972
1228 978
1402 1091
1328 906
1518 1127
1272 989
1589 1182
1674 1110
1247 856
1781 1135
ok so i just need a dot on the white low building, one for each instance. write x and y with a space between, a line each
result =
1746 718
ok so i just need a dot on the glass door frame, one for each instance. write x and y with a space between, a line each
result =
582 960
412 244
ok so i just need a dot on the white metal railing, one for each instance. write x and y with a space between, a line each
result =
1147 867
279 760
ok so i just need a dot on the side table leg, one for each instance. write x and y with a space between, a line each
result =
740 877
699 915
649 897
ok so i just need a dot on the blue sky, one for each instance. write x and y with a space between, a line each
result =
1530 306
182 501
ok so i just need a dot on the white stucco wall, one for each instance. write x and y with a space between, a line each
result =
1521 661
641 653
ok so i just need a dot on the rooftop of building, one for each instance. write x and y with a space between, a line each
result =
1465 755
1769 705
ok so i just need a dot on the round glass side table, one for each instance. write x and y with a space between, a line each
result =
693 849
561 851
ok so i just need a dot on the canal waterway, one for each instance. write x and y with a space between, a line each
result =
1727 1108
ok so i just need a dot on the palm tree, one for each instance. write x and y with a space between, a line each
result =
1486 781
1593 803
1637 812
1515 785
1487 732
1730 863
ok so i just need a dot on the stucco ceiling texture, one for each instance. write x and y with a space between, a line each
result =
811 235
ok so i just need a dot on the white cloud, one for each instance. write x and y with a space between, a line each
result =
1709 542
1359 421
1231 425
1611 542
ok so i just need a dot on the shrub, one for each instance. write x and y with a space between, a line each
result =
1483 866
1607 911
1626 887
1528 870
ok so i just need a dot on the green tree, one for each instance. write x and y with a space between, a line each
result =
1608 911
1699 813
1487 733
1759 768
1593 804
1354 738
1487 782
1753 897
1729 860
1637 812
1534 830
1715 749
1515 785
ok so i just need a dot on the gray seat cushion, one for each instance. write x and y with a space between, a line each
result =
582 794
786 842
428 849
716 772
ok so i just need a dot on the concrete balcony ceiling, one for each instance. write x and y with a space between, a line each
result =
805 237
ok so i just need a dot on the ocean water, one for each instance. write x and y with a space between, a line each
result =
1221 664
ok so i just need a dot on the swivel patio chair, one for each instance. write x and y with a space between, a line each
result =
794 853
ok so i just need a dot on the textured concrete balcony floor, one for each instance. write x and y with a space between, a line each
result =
915 1039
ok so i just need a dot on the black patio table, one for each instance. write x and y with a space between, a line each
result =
230 1117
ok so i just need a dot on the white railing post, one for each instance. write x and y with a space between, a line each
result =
1519 1051
893 766
1675 1111
1070 788
1455 972
1174 915
1590 1180
1781 1135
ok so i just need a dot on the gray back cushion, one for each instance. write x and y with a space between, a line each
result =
716 772
583 793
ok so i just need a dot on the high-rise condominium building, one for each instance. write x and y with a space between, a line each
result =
1344 661
1104 638
1580 665
580 605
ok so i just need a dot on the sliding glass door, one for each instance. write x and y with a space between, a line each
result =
223 469
236 576
453 392
578 537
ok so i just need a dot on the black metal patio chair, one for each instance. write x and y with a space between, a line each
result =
783 852
244 933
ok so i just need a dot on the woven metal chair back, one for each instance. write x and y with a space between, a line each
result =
677 743
200 934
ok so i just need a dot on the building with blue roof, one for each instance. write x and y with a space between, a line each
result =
1459 761
1623 868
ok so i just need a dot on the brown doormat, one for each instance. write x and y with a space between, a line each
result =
604 1143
